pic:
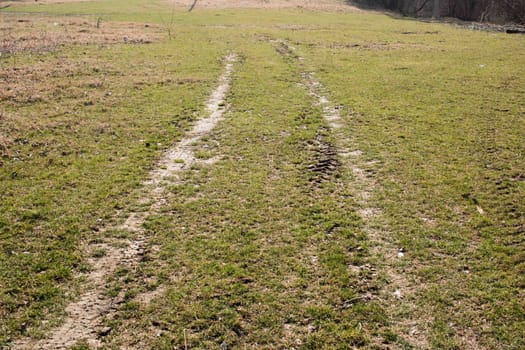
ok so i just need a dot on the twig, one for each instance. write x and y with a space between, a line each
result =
193 5
421 7
169 25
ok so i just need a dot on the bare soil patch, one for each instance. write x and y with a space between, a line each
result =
85 316
323 5
395 293
42 2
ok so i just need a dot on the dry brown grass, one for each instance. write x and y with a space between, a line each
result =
42 2
42 34
27 84
4 143
46 34
323 5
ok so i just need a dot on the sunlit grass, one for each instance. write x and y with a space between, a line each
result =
251 252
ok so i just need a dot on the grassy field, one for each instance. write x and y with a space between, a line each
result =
411 238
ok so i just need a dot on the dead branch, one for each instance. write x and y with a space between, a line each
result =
193 5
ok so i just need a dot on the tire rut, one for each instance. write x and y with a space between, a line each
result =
84 321
325 162
399 288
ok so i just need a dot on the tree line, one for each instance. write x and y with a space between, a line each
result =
498 11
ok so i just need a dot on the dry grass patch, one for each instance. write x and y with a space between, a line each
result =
40 2
323 5
40 34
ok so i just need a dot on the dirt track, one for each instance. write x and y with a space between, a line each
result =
330 5
85 316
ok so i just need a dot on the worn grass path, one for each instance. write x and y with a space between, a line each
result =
84 317
257 238
356 194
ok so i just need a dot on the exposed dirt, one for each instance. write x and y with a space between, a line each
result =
399 287
32 2
85 316
322 5
400 291
181 157
330 113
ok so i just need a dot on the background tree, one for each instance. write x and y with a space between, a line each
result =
468 10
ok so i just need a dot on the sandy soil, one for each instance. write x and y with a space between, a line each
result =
322 5
327 5
4 3
312 4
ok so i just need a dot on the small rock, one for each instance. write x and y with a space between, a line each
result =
312 329
104 331
398 294
224 345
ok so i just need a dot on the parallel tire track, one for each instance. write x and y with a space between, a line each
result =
383 249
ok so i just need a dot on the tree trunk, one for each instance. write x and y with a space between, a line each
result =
436 9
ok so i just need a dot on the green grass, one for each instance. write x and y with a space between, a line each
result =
251 252
253 246
71 165
445 122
